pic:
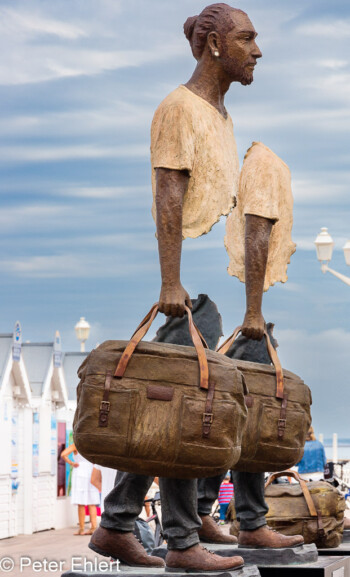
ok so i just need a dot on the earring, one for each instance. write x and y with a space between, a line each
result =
216 53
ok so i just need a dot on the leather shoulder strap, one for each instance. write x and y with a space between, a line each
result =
141 332
303 485
272 353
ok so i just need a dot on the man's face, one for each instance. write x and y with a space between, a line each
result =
240 51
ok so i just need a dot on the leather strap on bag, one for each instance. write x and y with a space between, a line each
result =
307 496
142 329
281 425
272 354
280 394
208 414
105 404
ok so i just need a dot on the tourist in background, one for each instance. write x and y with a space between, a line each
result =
225 496
83 492
311 466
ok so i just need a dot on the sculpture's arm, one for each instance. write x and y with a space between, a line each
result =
170 190
257 235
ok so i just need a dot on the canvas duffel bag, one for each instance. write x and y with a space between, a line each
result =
313 509
160 409
278 414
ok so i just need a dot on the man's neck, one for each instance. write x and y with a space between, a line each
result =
206 83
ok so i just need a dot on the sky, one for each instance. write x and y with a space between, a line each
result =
79 84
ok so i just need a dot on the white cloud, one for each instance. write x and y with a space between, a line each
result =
15 218
27 24
331 29
100 192
30 153
75 266
334 64
320 187
90 121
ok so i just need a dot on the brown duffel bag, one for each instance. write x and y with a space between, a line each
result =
160 409
313 509
278 414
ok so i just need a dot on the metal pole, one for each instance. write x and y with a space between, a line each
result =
335 448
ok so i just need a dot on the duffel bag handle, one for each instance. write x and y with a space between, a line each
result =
303 485
142 329
272 354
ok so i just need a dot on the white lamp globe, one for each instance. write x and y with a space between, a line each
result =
82 331
324 245
346 249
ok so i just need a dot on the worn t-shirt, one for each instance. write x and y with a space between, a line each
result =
264 190
190 134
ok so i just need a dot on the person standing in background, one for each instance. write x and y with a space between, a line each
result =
225 496
83 492
103 478
311 466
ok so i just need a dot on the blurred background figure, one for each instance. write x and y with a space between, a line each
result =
103 478
225 496
311 467
154 488
83 492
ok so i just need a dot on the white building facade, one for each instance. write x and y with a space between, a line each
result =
37 404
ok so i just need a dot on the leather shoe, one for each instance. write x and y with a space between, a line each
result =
265 537
122 546
200 560
210 532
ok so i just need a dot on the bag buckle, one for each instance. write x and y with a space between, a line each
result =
208 418
282 423
105 406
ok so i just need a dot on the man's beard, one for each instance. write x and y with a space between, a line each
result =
238 71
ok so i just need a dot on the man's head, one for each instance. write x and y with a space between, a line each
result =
226 35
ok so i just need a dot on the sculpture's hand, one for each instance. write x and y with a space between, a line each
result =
253 326
172 300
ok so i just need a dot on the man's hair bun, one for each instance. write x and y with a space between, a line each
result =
189 27
214 18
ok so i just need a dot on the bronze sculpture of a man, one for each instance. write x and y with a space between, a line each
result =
195 174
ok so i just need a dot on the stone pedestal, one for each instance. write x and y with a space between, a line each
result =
324 567
124 571
260 557
343 549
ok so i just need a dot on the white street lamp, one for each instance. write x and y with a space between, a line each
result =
324 249
324 245
346 249
82 331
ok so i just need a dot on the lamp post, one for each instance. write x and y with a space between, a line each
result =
82 331
324 249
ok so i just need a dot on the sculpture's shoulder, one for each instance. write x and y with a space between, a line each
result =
261 157
178 103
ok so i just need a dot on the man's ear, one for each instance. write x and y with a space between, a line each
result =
214 43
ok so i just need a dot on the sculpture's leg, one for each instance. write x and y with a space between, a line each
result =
179 512
208 490
250 502
124 503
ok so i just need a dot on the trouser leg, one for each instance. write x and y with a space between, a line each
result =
250 504
208 490
124 503
179 512
223 511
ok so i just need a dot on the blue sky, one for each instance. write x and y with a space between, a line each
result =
78 89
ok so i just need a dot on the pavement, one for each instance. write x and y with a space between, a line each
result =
46 553
51 553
